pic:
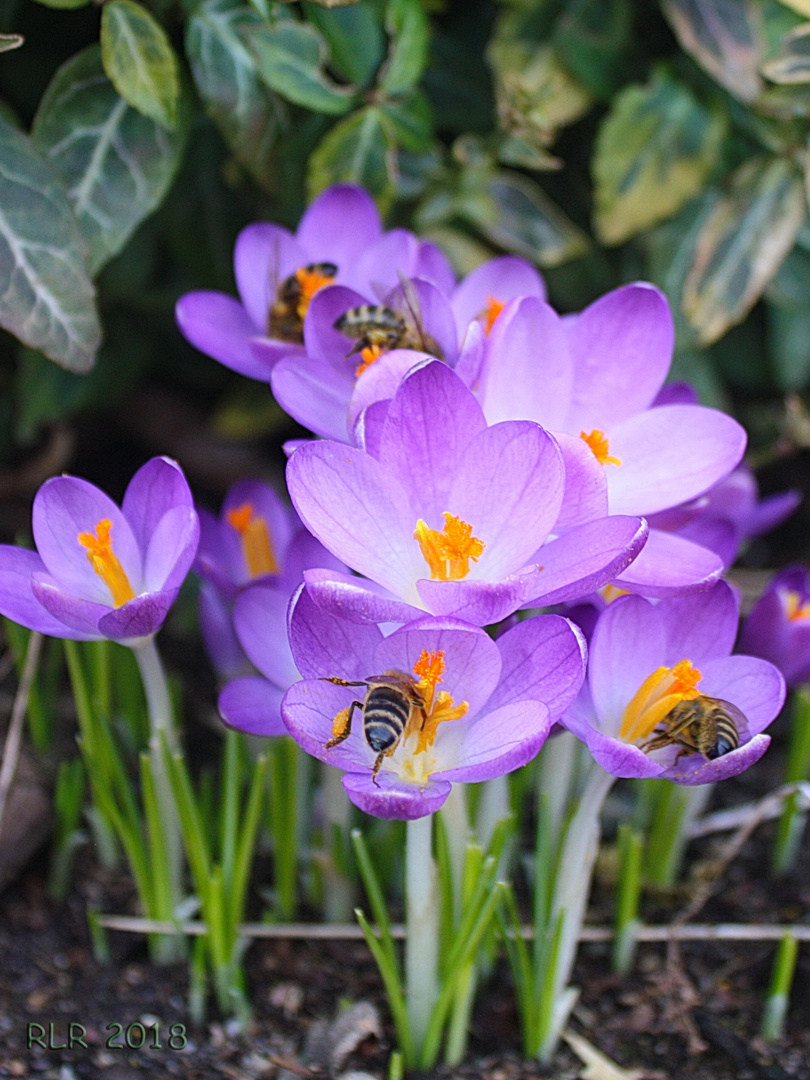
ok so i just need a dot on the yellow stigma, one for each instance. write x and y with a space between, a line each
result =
491 312
609 593
658 695
368 355
105 562
257 547
438 707
597 441
310 282
796 609
448 553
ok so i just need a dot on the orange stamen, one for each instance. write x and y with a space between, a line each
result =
491 312
105 562
448 553
797 610
610 593
367 356
257 547
430 668
658 695
597 441
310 282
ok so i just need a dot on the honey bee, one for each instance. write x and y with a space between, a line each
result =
705 725
389 705
286 317
382 327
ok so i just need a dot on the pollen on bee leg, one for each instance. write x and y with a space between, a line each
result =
340 728
312 279
368 355
105 562
448 553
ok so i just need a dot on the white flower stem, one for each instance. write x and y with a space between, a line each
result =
337 810
161 726
422 921
580 844
454 817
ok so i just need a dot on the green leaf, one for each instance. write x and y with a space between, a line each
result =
140 61
63 4
742 244
593 40
524 221
289 58
724 37
355 38
359 150
791 64
411 121
10 41
46 296
408 27
115 164
654 151
789 341
247 113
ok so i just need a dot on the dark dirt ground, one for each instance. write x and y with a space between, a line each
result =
48 975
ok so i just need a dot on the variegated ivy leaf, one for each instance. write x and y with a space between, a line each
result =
742 244
140 61
115 164
724 37
791 64
10 41
654 151
47 299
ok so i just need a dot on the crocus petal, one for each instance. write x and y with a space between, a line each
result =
478 602
139 617
670 455
356 508
509 485
65 507
356 599
81 616
309 709
429 311
498 742
669 565
755 686
703 624
722 768
369 427
171 550
219 637
264 255
339 225
585 497
252 705
381 265
314 393
621 348
431 265
392 798
220 327
431 422
528 374
325 645
18 600
472 659
586 558
500 279
544 660
260 619
156 488
381 381
321 340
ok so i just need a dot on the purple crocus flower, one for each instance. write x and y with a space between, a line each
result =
778 627
591 380
100 571
256 538
484 293
646 660
277 274
470 708
451 516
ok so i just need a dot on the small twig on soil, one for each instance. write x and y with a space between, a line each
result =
294 1067
11 749
736 816
349 932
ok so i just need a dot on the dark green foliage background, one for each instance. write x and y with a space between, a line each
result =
606 142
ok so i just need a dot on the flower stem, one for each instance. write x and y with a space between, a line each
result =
422 920
337 814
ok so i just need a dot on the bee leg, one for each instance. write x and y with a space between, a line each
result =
377 766
342 730
341 682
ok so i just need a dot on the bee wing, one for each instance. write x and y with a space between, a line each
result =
737 715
